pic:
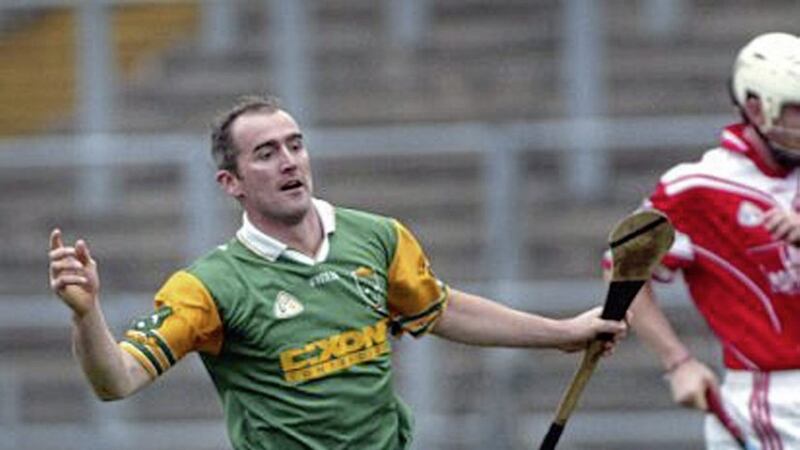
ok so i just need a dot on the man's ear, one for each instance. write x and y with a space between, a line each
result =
230 183
752 108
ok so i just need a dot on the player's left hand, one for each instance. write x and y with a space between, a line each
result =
689 382
783 225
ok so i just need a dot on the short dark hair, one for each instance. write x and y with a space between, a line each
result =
223 149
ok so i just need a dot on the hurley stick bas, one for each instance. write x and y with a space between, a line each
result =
637 243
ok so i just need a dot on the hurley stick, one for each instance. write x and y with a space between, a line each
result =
637 242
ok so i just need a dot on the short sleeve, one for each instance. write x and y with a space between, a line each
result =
185 319
416 297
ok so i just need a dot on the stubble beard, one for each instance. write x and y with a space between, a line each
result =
291 215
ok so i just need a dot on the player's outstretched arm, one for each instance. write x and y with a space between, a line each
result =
474 320
688 377
112 372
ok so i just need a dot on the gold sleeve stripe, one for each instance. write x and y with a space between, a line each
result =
429 323
423 330
419 323
135 334
428 311
150 341
162 344
442 310
148 354
156 351
143 360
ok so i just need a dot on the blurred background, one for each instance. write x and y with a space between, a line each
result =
508 134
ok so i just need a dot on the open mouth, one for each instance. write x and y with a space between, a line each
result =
290 185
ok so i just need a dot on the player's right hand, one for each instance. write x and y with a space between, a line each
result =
587 325
73 274
783 225
689 382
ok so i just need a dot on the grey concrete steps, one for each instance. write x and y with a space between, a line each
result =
508 68
629 380
677 64
452 101
482 33
738 21
448 72
440 201
119 273
472 8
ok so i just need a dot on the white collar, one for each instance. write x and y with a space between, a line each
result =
270 248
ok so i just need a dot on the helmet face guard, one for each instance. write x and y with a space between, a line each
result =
768 68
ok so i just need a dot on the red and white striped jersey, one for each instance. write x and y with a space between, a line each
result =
745 284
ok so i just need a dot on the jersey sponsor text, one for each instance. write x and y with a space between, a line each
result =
322 357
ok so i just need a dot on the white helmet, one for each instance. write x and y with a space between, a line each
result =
769 67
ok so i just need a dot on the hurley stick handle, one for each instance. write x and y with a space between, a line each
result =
579 381
570 399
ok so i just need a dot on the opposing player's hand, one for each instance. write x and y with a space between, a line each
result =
585 327
73 274
688 383
783 225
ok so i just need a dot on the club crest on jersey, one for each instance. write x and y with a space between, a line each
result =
286 306
370 287
749 215
151 321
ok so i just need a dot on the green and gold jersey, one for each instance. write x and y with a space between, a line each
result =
299 348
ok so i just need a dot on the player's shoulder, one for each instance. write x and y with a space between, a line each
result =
718 172
217 255
717 163
356 225
218 265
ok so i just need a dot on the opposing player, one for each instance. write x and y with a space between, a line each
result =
292 317
736 213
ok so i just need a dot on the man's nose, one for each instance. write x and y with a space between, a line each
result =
288 159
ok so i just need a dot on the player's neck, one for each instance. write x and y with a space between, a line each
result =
305 236
760 147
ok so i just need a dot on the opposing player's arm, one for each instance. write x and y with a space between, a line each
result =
650 323
688 377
